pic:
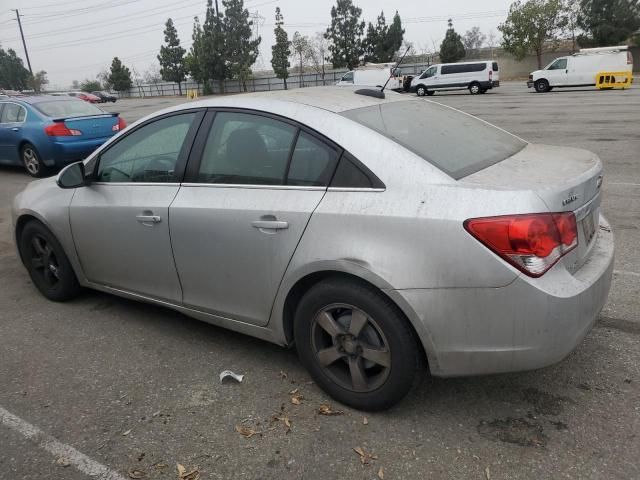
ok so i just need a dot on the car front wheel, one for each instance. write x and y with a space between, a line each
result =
47 264
542 86
356 344
421 90
32 161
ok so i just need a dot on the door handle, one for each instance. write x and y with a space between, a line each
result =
148 218
270 224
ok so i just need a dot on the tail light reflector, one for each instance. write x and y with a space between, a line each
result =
119 126
532 243
59 129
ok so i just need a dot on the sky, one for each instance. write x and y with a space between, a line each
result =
75 40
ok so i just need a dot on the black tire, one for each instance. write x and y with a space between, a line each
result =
430 92
421 90
369 368
32 161
47 264
542 86
475 88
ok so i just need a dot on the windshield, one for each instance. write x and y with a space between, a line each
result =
67 108
456 143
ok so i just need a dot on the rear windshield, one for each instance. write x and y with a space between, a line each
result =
456 143
67 108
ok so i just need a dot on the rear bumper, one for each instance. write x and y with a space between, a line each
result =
496 83
65 152
528 324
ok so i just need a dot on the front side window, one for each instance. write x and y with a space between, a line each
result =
13 113
348 77
246 149
149 154
560 64
430 72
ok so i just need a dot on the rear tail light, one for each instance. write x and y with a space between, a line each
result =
119 126
490 74
532 243
629 58
59 129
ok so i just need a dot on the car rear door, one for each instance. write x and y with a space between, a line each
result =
252 183
120 222
12 118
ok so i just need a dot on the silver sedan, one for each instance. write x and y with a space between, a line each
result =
378 235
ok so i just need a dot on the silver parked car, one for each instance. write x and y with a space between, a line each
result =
372 233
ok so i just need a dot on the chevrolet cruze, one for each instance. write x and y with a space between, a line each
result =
377 235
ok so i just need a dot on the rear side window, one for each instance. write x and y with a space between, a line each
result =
456 143
352 174
462 68
246 149
13 113
312 163
494 66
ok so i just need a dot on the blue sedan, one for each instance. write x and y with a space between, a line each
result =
44 132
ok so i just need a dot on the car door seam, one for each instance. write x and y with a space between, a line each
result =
173 256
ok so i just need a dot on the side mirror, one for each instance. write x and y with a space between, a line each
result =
72 176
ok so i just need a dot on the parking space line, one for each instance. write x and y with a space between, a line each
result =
626 272
78 459
627 184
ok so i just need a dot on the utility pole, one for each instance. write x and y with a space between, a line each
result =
26 53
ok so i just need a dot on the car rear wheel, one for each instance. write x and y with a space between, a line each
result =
475 88
32 161
356 344
47 264
421 90
542 86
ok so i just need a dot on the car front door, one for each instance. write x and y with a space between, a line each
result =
557 73
120 221
252 184
12 118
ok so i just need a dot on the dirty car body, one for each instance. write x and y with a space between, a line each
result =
489 251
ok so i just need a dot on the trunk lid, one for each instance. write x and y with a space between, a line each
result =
94 126
566 179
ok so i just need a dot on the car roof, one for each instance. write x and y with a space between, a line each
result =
33 99
332 98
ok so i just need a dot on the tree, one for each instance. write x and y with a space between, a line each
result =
90 86
394 39
569 15
300 50
75 85
120 76
38 80
451 48
318 48
103 78
213 56
171 58
13 75
531 26
152 76
473 39
608 22
345 35
281 51
492 41
240 49
373 43
194 60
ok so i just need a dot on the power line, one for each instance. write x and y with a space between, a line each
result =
42 18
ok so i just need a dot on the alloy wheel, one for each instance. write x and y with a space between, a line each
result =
30 159
350 348
43 260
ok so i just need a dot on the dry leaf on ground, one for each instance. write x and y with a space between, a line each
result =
245 431
365 421
325 409
284 419
381 473
124 434
296 398
487 473
133 473
365 457
283 375
63 462
160 466
184 474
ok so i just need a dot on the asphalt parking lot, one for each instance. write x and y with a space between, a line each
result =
132 389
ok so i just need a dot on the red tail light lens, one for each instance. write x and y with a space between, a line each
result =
59 129
533 243
119 126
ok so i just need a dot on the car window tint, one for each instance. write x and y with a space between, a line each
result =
312 163
559 64
12 113
67 108
149 154
246 149
349 175
347 77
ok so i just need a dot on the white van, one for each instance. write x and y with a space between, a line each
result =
478 77
371 75
580 69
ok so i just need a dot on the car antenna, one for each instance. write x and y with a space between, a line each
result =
370 92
